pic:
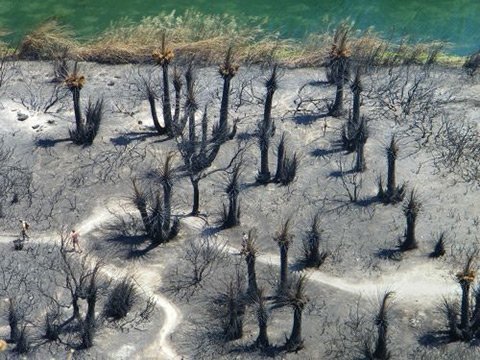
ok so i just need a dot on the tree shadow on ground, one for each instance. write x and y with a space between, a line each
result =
367 201
394 254
128 246
325 152
49 143
245 136
211 230
272 351
301 265
319 83
308 119
434 338
127 138
340 173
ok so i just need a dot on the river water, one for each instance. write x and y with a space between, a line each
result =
455 21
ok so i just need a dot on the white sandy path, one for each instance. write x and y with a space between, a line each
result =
160 348
421 284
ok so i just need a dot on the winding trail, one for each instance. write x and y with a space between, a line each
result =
146 276
423 284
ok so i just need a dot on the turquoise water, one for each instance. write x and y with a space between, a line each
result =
456 21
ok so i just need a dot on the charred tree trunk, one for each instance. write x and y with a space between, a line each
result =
381 352
391 159
393 193
234 327
410 240
337 107
203 144
266 129
295 341
233 215
281 154
88 328
141 204
78 113
13 320
283 268
360 141
196 196
191 105
167 110
357 90
411 210
177 85
252 290
232 218
224 104
75 306
262 341
227 71
167 206
360 160
465 306
153 110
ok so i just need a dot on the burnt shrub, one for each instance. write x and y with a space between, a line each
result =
121 300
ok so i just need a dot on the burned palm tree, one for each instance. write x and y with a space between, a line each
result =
262 313
287 164
439 249
465 279
339 66
199 154
350 130
231 216
233 302
75 83
297 299
312 257
227 71
163 57
14 317
283 239
393 194
266 128
88 325
23 342
381 351
86 129
469 325
411 209
160 225
361 137
249 250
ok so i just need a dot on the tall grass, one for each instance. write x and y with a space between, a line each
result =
207 36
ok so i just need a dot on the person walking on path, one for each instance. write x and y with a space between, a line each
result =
74 236
24 226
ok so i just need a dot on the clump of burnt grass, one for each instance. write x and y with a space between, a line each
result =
206 36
